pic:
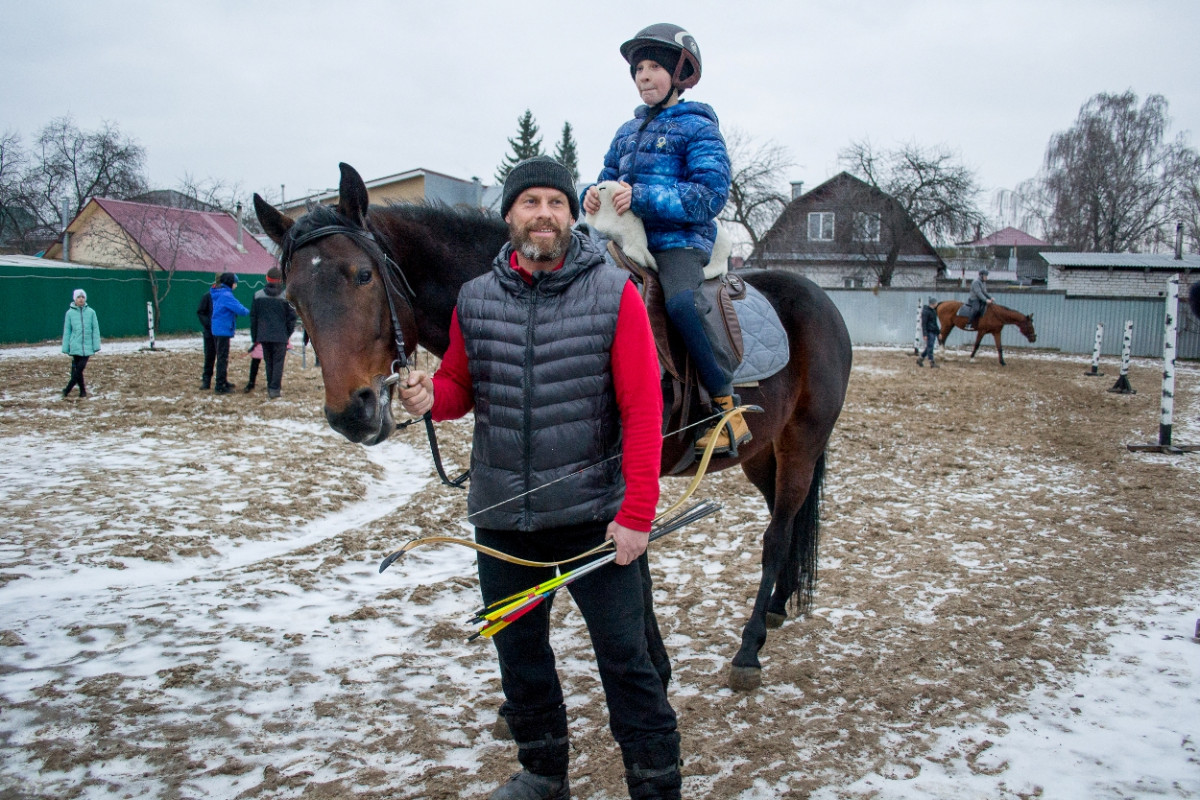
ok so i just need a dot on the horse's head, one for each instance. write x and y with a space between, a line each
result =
335 279
1025 326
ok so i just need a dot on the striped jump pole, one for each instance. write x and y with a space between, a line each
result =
918 340
1094 372
1171 331
1122 385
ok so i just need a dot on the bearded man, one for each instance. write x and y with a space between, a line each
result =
552 349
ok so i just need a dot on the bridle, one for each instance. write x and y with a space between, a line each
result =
389 272
395 284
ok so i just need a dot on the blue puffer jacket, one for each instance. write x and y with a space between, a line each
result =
679 169
225 311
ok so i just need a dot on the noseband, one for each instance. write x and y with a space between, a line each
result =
389 272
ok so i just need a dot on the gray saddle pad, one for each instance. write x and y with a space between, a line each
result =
764 341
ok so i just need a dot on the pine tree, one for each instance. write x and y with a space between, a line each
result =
564 151
527 144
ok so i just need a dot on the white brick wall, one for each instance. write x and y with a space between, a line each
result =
1115 282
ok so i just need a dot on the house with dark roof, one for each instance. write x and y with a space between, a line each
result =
124 234
1010 255
846 233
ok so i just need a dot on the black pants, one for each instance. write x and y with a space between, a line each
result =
274 354
210 357
222 346
610 600
77 365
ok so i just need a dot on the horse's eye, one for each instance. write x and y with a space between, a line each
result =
363 277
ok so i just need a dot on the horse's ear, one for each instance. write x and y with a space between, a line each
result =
273 222
1030 318
352 195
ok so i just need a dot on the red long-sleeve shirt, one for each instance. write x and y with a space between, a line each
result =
639 399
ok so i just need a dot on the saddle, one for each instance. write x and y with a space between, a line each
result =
722 292
756 338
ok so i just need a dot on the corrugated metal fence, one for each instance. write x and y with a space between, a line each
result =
34 300
1067 324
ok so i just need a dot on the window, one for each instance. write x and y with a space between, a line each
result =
866 227
820 226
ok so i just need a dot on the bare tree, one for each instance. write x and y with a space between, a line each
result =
1109 179
13 218
71 164
931 192
1185 202
758 190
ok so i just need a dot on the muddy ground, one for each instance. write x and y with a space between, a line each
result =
192 607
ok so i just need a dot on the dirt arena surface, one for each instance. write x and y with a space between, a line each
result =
192 606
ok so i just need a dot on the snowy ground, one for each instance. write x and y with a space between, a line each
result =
192 607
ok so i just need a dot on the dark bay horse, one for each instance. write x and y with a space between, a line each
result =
994 318
335 262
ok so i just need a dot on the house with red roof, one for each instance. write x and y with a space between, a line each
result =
1010 255
128 235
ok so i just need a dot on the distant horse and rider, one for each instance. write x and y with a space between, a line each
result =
359 275
993 320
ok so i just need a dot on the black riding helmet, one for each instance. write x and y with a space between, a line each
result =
686 72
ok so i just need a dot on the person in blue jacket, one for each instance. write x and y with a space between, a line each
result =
81 339
225 311
674 174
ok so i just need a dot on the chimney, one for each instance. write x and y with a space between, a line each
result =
478 191
1179 241
281 200
241 246
797 189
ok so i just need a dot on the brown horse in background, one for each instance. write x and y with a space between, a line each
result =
993 320
356 274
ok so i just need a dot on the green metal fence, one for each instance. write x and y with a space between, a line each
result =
34 301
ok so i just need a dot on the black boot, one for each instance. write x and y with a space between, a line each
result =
652 769
249 388
542 749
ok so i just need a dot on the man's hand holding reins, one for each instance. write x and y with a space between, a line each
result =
416 395
630 543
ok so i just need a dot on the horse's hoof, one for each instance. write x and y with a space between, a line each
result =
500 730
775 620
745 679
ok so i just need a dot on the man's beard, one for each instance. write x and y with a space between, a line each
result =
540 251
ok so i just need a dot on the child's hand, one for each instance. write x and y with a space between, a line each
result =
622 198
591 200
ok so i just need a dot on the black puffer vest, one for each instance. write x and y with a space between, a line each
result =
540 357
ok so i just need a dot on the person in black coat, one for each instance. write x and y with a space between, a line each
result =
272 321
930 328
204 312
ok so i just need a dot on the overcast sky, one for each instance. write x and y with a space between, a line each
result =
268 93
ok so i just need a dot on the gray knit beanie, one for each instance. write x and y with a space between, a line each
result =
539 171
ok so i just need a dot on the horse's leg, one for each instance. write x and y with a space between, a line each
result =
761 472
999 349
978 340
793 486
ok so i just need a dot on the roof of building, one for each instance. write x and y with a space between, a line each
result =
17 260
191 241
1008 237
1143 261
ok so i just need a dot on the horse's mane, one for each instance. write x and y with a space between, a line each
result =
474 230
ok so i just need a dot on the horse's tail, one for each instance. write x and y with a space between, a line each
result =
805 538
